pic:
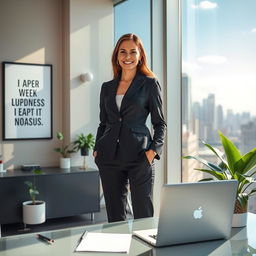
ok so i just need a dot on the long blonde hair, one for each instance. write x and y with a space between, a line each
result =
142 66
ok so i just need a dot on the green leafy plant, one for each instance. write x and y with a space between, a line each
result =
33 192
83 141
232 165
64 150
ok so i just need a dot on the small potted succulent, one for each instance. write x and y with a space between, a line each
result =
33 210
84 143
232 165
65 151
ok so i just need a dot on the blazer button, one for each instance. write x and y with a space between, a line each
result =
117 140
120 119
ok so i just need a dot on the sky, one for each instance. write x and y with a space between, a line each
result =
219 51
133 16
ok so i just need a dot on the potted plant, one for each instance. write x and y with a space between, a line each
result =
232 165
33 210
84 143
64 150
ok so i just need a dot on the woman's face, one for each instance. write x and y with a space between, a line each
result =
128 55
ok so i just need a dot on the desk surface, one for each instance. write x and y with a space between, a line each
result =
242 241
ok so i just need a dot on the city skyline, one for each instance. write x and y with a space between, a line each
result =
218 47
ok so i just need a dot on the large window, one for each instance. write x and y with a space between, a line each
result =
133 16
218 77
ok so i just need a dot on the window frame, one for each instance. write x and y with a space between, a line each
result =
173 97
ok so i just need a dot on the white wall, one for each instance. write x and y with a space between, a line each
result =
31 32
91 46
75 37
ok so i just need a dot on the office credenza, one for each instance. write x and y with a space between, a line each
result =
242 242
67 192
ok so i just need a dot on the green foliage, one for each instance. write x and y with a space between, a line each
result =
84 141
232 166
64 150
33 192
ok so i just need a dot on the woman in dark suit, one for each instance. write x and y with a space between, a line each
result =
124 149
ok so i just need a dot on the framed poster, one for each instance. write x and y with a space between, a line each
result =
27 101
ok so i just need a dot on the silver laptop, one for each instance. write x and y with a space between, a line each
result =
193 212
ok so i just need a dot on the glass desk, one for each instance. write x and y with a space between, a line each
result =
242 242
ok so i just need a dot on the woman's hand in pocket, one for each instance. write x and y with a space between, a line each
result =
150 154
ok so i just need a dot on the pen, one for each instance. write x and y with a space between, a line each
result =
45 239
81 238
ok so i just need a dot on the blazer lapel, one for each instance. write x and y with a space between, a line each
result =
112 94
137 82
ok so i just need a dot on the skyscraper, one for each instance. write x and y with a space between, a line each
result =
248 136
186 101
219 118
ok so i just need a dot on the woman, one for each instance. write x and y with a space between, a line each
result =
124 149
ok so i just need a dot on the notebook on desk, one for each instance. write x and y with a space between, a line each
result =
193 212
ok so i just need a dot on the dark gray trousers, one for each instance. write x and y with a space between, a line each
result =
115 178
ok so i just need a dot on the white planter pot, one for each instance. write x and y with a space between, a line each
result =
33 213
64 163
239 220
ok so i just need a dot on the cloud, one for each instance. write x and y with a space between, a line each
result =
189 67
205 5
253 30
212 59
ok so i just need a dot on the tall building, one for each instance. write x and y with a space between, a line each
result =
230 122
190 146
209 113
219 118
186 101
248 136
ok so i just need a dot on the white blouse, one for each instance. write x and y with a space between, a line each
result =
119 99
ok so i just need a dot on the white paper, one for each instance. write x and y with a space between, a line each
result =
105 242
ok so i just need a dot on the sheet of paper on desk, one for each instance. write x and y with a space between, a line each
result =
105 242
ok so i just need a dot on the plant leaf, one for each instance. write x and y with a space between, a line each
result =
212 166
253 191
217 152
246 163
57 150
28 183
37 171
243 199
218 175
60 136
206 179
231 152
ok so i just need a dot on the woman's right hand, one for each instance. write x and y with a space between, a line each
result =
94 153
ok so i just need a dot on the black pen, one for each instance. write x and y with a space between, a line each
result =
82 236
45 239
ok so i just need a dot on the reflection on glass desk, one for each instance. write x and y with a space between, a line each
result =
242 242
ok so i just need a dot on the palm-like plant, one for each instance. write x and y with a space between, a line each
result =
33 192
232 165
84 142
64 150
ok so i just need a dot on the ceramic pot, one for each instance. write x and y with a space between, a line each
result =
33 213
239 220
64 163
84 151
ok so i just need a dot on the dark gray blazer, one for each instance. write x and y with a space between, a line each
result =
124 134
